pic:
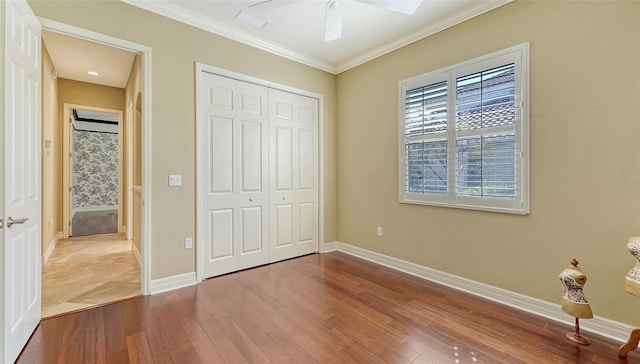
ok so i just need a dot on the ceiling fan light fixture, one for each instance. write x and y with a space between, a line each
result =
333 21
250 19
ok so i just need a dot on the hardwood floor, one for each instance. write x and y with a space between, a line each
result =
327 308
87 271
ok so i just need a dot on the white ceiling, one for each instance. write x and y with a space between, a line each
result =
72 58
296 31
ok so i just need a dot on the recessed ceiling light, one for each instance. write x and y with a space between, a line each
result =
251 19
93 73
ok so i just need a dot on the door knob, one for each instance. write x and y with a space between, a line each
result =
11 221
250 200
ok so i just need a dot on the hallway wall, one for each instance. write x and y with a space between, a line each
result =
89 94
51 155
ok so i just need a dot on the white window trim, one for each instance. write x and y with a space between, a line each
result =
518 205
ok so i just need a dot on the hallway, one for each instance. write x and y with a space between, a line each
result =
87 271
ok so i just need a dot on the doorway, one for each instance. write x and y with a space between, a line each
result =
95 171
94 147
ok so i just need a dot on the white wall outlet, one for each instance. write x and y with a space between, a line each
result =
188 243
175 180
379 231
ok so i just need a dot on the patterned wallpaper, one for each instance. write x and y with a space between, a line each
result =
95 169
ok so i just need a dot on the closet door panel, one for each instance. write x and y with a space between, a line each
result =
252 164
284 225
252 156
284 159
251 230
306 172
234 167
253 235
221 243
307 222
294 126
221 155
221 230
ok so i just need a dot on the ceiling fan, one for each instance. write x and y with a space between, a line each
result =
333 12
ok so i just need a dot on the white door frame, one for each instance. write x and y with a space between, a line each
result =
145 51
128 184
67 168
200 67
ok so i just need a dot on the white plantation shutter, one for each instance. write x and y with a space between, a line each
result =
486 162
426 109
426 167
464 134
486 166
426 139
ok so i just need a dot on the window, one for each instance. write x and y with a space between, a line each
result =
464 133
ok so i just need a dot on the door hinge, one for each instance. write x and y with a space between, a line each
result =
70 188
1 223
69 223
70 155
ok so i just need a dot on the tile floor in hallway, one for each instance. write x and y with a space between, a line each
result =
87 271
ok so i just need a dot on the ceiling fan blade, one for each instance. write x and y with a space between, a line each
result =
400 6
268 5
333 21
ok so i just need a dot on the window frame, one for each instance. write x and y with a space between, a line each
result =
519 56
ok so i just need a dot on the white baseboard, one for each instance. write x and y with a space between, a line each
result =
329 247
136 252
173 282
51 246
598 325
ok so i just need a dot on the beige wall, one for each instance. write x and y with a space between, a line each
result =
175 48
51 162
89 94
585 155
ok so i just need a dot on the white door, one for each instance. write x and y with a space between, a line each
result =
293 121
233 166
21 190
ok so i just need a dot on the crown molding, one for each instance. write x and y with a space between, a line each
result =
182 15
480 7
179 14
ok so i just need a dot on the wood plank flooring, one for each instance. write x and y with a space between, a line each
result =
321 308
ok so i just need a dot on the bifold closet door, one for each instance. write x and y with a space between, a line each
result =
234 176
293 174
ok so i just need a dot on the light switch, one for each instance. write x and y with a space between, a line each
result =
175 180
